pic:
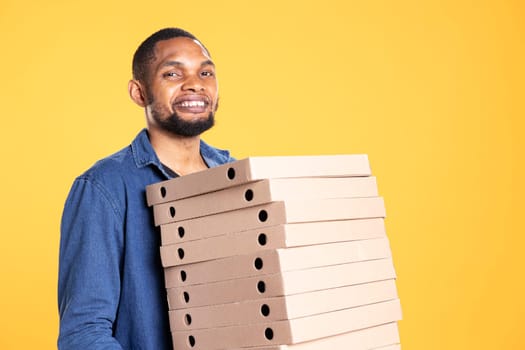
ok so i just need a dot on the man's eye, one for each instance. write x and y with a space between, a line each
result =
207 74
171 75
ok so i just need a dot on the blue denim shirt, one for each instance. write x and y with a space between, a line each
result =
111 291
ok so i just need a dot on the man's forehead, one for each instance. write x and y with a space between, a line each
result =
179 45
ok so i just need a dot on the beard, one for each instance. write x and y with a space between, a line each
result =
175 124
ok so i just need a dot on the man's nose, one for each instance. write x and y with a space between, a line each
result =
193 83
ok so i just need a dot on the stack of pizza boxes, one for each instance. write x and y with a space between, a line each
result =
278 253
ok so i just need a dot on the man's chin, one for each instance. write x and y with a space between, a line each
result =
193 118
188 128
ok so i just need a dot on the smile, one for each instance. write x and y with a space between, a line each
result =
190 104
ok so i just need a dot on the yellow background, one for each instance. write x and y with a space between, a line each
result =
432 91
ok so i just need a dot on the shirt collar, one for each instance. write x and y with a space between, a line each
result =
144 154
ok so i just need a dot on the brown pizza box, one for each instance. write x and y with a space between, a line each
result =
283 307
289 331
266 262
276 213
295 234
264 191
256 168
364 339
241 243
279 284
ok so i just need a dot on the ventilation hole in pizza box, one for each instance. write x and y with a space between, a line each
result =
261 286
191 340
248 195
163 191
262 239
263 215
183 275
181 231
187 319
268 333
180 251
258 263
231 173
186 297
172 212
265 310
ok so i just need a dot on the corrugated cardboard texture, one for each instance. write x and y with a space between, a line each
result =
266 262
238 244
219 224
302 211
296 234
282 308
285 283
389 347
265 191
364 339
256 168
290 331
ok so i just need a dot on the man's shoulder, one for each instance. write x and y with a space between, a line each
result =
111 167
124 163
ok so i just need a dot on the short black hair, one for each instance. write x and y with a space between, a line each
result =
146 51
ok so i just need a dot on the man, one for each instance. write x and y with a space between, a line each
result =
111 290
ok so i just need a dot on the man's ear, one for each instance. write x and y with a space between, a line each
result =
136 92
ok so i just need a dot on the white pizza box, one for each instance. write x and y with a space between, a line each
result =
289 331
389 347
256 168
283 307
240 243
275 213
264 191
266 262
375 338
279 284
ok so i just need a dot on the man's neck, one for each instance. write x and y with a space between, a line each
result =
180 154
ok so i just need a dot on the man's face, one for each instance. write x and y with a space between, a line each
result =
182 91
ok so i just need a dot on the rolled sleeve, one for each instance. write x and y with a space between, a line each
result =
90 265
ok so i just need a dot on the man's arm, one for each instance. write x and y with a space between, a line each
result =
90 260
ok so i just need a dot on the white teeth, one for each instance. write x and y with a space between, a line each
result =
192 104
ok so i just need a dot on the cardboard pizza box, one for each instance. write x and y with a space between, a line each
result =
256 168
289 331
275 213
389 347
266 262
279 284
295 234
364 339
241 243
264 191
283 307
